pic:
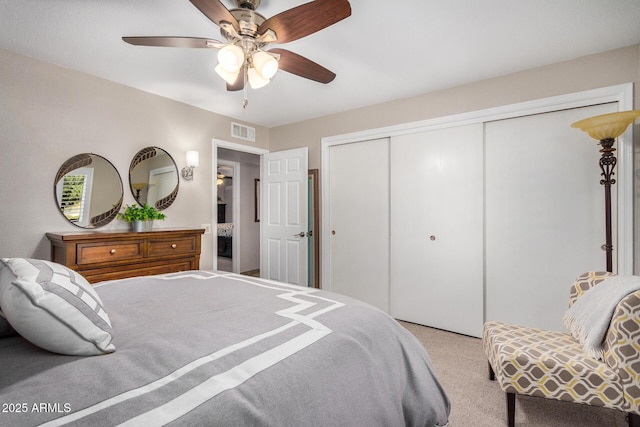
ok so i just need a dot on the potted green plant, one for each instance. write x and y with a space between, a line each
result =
141 217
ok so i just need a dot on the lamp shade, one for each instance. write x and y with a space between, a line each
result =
607 126
230 58
226 75
255 80
193 159
265 64
139 186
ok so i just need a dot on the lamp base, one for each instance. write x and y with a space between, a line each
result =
607 165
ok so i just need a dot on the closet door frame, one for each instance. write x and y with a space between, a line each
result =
622 94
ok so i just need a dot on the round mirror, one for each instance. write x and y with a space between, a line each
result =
153 177
88 190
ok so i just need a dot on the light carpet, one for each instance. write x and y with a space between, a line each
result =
461 366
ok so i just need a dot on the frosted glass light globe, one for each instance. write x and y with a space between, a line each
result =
231 58
265 64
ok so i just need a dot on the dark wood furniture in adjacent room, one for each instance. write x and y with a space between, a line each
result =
118 254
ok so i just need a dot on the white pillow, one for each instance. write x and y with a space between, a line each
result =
54 307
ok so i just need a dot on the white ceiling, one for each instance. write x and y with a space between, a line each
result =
385 50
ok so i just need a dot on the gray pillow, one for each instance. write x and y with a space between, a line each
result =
54 307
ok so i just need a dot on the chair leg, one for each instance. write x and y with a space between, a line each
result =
511 409
634 420
492 375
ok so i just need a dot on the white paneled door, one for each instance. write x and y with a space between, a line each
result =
437 228
283 195
359 221
544 214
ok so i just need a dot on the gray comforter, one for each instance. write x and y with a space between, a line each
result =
208 349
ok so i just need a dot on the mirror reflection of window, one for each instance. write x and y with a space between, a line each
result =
88 190
74 194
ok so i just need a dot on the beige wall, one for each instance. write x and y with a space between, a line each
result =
48 114
595 71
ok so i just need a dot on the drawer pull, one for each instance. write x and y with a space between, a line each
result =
174 246
112 251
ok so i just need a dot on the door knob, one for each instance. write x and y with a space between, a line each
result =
300 234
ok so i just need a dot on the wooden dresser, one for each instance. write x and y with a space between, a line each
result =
117 254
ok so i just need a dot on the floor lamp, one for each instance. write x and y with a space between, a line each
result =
606 128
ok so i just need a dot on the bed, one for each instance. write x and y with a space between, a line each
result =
215 349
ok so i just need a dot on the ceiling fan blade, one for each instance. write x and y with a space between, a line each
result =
195 42
238 84
306 19
215 11
303 67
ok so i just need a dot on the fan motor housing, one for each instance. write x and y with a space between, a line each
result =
247 4
248 21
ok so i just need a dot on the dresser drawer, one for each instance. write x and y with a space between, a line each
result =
99 274
176 246
117 254
93 253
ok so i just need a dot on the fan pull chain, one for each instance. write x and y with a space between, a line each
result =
245 101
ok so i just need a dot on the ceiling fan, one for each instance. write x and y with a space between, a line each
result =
243 57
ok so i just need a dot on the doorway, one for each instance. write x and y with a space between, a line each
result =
228 213
248 209
314 230
238 232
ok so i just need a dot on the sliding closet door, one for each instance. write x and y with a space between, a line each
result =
544 214
436 228
359 221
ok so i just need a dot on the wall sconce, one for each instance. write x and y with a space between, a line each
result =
606 128
193 161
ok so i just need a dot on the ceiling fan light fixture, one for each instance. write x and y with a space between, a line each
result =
231 58
226 75
265 64
256 81
242 62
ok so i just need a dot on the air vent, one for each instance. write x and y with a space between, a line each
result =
243 132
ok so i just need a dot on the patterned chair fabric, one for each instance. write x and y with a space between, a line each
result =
536 362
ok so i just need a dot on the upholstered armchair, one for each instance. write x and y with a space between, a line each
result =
554 365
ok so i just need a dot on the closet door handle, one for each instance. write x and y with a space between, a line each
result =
300 234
